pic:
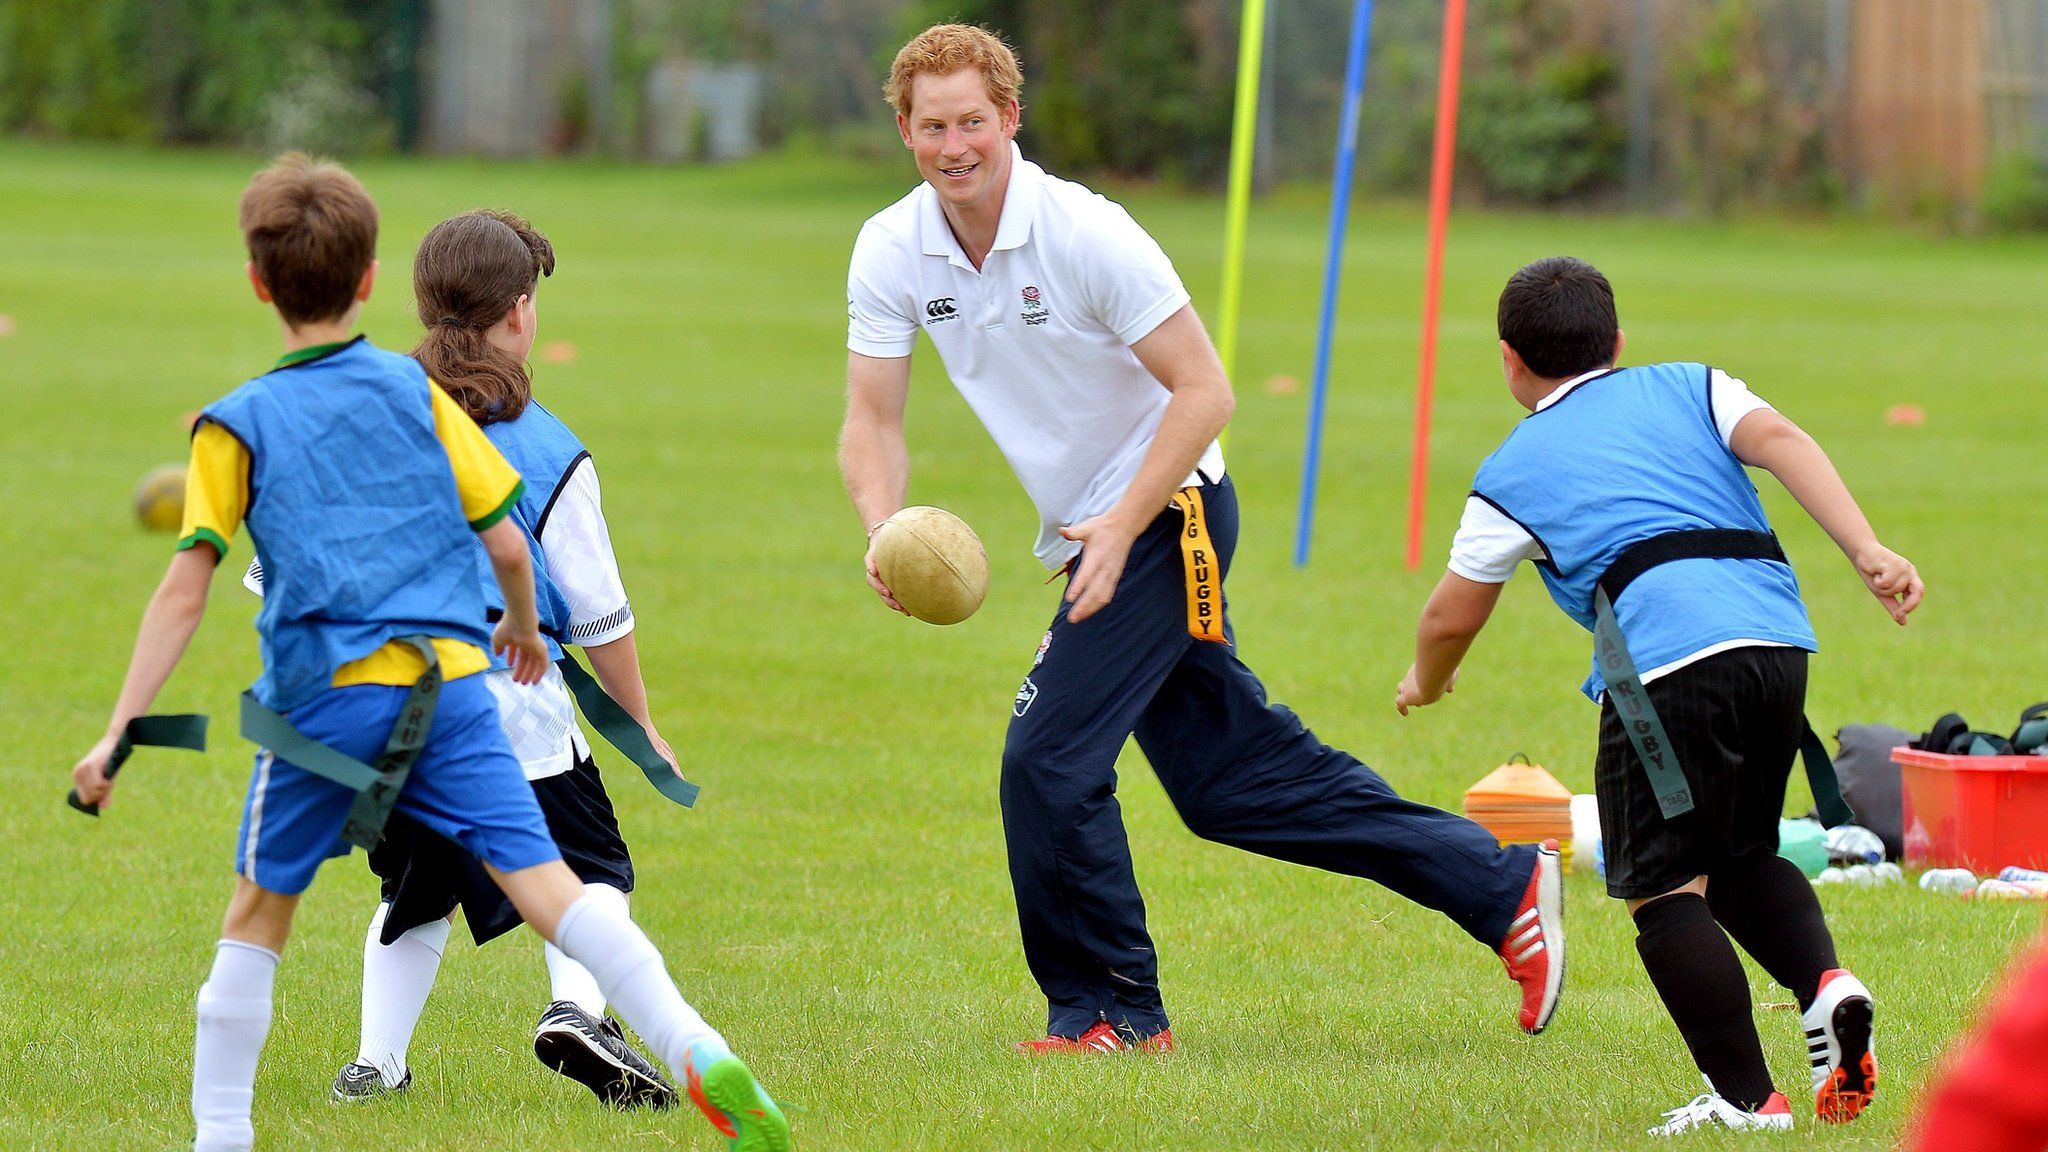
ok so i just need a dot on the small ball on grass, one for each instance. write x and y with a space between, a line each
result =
160 498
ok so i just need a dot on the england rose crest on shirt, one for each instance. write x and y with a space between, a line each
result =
1034 307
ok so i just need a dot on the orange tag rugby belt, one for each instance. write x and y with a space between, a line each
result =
1204 572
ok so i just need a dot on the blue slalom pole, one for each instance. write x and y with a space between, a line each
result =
1340 204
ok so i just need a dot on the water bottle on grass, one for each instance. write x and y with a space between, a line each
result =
1850 844
1949 881
1996 889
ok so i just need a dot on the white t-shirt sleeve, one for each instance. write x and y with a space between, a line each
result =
876 321
1731 400
1490 544
578 548
1128 282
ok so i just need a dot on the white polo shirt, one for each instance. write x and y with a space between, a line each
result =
1038 340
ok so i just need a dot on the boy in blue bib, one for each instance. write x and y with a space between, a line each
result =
1625 487
362 485
475 279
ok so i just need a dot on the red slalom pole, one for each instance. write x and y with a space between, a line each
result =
1432 280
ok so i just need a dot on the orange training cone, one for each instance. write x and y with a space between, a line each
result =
1522 804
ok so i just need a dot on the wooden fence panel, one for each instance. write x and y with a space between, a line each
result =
1917 126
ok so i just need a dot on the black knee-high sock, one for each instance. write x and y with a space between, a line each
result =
1768 906
1700 980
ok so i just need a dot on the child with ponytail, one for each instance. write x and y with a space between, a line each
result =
474 278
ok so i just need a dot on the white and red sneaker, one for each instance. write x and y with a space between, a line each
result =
1534 948
1710 1110
1102 1037
1838 1044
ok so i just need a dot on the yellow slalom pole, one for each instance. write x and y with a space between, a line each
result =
1244 131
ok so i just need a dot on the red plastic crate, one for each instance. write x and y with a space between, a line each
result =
1975 812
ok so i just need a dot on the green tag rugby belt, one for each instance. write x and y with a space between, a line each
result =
168 730
1625 686
377 786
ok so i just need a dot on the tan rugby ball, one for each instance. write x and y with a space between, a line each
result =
160 498
933 562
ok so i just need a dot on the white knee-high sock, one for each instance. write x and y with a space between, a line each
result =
568 980
396 980
234 1018
598 934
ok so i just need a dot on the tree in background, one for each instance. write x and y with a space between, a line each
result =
1540 122
1750 107
1145 89
1539 118
332 75
1118 86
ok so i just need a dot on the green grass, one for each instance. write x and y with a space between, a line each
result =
838 903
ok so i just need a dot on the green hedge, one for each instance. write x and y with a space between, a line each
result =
1140 89
331 75
1110 86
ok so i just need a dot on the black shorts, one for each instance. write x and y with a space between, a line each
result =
426 875
1735 721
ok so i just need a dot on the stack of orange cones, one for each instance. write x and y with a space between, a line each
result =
1523 804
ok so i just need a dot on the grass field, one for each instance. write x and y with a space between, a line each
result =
838 902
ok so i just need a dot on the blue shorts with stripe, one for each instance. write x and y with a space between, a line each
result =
466 785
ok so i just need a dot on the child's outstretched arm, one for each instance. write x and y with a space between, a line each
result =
518 633
167 626
616 664
1456 611
1764 439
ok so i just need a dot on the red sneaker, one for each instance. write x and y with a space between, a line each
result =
1534 948
1103 1037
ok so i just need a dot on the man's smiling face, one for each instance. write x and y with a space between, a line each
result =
961 138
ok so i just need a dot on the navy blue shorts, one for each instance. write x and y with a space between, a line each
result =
466 785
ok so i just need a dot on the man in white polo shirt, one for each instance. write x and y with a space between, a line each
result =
1068 332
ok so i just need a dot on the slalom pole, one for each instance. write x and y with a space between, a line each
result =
1244 131
1340 205
1432 281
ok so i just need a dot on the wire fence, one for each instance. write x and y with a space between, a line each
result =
1915 104
2016 76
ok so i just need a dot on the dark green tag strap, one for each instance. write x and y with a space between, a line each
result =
1653 748
376 786
1638 717
168 730
1625 688
1828 802
618 727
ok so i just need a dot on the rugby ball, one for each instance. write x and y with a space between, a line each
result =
160 498
933 563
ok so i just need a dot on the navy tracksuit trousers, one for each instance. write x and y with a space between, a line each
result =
1239 771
